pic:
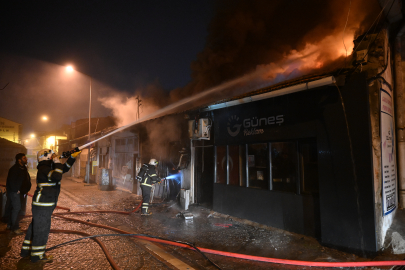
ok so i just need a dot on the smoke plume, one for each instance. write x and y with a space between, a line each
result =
256 43
277 39
161 132
128 109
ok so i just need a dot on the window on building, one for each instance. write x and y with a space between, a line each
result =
126 145
136 143
284 166
309 167
280 166
242 165
221 166
258 165
234 165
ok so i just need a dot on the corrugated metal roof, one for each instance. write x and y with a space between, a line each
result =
284 84
284 88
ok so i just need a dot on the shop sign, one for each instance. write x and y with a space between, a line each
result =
249 122
388 154
251 126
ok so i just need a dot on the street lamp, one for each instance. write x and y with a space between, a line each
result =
87 177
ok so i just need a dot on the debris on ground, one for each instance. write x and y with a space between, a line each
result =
185 215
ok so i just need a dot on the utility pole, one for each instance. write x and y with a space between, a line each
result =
139 105
88 164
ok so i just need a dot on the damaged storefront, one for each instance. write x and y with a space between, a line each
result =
124 159
314 156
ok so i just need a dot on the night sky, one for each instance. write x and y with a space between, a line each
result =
123 45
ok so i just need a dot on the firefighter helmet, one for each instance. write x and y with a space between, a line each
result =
45 154
153 162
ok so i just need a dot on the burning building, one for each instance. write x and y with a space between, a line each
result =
316 155
312 149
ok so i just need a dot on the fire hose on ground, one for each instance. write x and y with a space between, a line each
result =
200 249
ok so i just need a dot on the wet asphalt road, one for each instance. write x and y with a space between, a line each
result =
207 229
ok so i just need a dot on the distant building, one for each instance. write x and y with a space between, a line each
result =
77 135
10 130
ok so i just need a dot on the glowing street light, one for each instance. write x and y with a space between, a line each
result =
69 69
44 118
32 135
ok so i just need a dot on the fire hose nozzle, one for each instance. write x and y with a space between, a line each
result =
69 153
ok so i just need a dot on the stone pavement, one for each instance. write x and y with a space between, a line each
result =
207 229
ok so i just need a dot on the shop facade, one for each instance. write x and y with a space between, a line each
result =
302 159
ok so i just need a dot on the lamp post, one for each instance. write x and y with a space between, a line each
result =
87 176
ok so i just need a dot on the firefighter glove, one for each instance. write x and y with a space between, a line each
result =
56 159
75 154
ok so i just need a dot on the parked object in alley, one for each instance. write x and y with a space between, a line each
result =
18 185
105 179
49 175
148 177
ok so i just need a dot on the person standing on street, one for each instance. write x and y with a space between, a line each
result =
18 184
44 201
147 177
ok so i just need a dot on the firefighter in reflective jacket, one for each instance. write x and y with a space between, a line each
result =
45 198
147 176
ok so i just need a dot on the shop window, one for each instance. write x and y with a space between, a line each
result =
242 165
258 165
234 165
309 167
221 166
284 161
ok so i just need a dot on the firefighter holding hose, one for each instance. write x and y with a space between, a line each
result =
147 177
49 175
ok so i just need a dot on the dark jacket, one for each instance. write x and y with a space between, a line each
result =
49 176
18 179
148 175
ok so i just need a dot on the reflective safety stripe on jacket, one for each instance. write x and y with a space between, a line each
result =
49 178
148 174
42 185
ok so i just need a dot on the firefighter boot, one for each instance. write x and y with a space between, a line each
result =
145 210
44 258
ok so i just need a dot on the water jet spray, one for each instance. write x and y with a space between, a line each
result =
170 108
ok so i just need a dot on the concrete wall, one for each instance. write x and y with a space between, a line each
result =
378 53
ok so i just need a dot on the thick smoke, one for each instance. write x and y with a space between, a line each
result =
125 109
252 44
281 39
161 132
